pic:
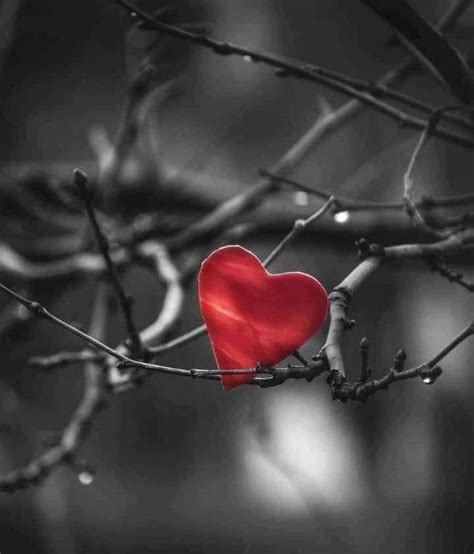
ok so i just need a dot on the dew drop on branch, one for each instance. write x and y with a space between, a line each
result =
341 217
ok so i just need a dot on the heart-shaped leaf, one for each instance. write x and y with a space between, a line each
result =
253 316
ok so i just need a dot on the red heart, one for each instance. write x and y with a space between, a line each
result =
253 316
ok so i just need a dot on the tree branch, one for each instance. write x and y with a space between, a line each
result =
341 203
360 391
125 300
339 303
431 44
436 263
38 310
332 80
90 405
409 177
298 227
342 294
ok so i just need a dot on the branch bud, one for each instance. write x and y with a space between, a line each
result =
399 360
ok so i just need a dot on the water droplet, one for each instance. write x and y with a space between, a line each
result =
248 58
85 477
341 217
301 198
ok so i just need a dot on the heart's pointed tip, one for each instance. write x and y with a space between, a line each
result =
226 386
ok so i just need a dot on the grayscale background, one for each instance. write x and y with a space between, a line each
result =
183 467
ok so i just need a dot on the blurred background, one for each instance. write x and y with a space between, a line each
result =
182 466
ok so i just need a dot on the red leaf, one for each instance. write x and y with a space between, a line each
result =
253 316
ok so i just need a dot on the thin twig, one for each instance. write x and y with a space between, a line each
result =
302 70
342 115
131 122
342 203
170 277
436 263
126 301
463 335
90 405
179 341
40 311
158 256
298 227
428 372
409 177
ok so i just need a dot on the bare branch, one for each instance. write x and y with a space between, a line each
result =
428 372
335 120
298 228
126 301
286 66
342 294
307 71
90 405
436 263
131 122
339 300
110 369
409 177
330 357
156 254
179 341
169 275
431 44
225 213
40 311
346 204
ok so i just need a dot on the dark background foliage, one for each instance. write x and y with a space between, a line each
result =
181 465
